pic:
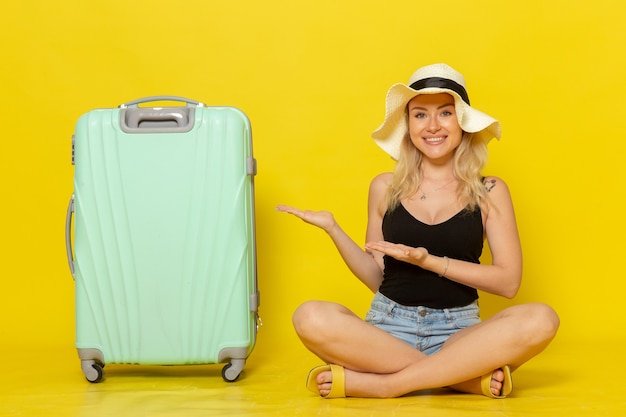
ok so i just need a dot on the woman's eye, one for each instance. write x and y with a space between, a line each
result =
420 115
446 113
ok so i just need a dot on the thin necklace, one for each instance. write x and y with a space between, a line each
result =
424 195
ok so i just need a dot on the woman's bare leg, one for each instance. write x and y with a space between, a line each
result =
336 335
379 365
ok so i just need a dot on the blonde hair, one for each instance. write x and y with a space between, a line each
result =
469 159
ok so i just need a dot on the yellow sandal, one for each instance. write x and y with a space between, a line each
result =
507 384
338 388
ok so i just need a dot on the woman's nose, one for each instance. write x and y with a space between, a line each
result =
433 124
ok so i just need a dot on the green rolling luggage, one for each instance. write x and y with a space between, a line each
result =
160 236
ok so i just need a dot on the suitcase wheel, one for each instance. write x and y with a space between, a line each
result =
232 370
93 371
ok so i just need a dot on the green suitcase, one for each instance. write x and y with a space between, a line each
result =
160 236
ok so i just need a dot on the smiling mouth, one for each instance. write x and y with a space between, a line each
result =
436 140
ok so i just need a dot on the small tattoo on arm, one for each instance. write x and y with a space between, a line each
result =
489 184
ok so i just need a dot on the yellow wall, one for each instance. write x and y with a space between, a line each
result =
312 77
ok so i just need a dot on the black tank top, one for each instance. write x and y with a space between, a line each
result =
460 237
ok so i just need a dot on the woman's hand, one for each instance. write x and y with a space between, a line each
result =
322 219
415 256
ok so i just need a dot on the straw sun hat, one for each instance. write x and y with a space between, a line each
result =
431 79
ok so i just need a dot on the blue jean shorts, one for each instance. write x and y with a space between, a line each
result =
425 329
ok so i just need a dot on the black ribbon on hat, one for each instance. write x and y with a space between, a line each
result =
439 82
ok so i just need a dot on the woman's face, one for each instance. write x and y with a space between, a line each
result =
433 125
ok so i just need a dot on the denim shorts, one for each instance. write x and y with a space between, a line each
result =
425 329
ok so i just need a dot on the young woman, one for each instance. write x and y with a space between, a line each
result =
426 225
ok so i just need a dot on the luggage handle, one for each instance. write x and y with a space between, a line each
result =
136 103
145 118
68 235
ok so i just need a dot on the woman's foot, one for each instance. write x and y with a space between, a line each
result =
325 383
328 380
497 382
498 385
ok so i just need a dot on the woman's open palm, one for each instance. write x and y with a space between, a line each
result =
322 219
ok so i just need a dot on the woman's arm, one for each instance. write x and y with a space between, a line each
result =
503 275
365 265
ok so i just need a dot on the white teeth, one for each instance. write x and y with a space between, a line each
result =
432 140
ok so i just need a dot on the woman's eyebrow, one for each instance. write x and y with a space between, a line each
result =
424 108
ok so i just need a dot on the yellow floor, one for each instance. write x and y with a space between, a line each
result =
567 380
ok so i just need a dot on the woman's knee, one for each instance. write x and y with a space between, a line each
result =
308 317
312 319
541 323
304 313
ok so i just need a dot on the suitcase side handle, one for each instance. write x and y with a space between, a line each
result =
68 235
136 103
